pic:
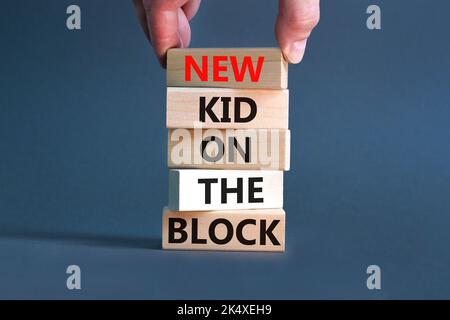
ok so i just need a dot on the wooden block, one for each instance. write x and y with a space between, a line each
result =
227 108
240 230
227 68
267 149
201 190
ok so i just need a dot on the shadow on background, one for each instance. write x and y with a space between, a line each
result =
86 239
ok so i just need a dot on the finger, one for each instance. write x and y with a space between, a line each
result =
164 19
295 22
184 29
191 8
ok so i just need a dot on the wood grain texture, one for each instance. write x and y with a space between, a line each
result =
239 230
184 108
203 190
273 75
265 149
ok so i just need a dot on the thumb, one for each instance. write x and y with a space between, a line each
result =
295 22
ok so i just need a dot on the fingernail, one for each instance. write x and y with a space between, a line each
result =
296 51
180 41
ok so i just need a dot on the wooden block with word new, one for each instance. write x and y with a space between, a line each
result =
263 68
239 230
202 190
227 108
266 149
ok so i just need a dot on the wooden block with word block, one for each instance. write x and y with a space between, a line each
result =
266 149
202 190
239 230
227 108
263 68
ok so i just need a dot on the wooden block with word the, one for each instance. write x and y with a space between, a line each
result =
227 68
202 190
227 108
246 149
239 230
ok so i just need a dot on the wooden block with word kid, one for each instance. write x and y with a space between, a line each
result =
240 230
201 190
266 149
263 68
227 108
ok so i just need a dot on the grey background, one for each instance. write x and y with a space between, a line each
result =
83 172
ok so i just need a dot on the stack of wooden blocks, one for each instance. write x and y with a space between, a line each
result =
228 145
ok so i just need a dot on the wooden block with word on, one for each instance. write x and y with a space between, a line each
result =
263 68
227 108
202 190
266 149
239 230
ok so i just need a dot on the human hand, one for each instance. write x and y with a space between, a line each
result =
166 24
